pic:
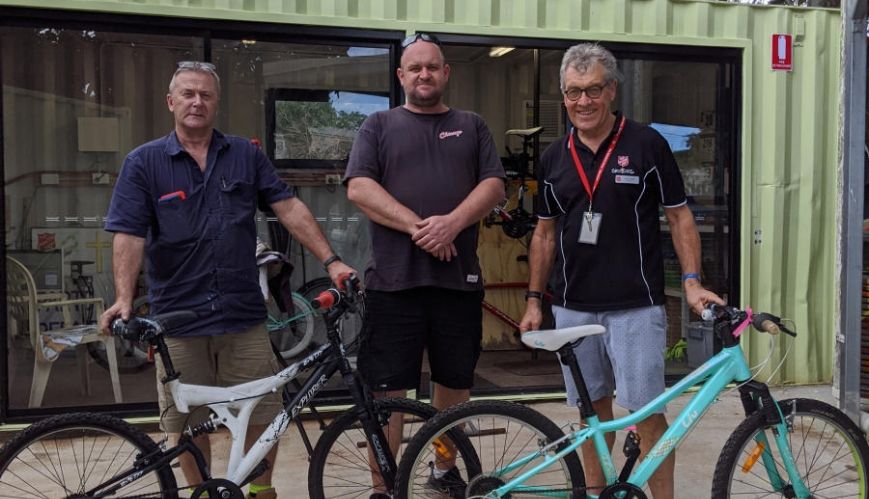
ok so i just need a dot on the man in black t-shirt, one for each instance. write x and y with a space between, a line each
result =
425 175
600 188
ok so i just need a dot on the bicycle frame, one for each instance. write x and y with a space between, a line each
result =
727 366
234 405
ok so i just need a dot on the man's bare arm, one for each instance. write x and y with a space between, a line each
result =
128 252
686 242
541 256
438 231
295 216
380 206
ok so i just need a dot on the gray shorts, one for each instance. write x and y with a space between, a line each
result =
222 360
628 356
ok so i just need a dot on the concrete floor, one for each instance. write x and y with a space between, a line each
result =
695 459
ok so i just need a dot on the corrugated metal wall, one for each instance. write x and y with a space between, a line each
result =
789 129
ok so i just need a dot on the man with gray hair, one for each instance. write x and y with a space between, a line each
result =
598 235
186 203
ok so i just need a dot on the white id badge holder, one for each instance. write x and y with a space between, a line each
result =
589 231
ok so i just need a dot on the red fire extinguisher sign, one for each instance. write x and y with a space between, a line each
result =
782 52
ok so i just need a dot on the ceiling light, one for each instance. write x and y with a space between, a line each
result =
499 51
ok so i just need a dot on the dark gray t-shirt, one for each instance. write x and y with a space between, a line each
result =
429 163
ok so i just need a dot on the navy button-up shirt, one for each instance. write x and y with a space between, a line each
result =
199 227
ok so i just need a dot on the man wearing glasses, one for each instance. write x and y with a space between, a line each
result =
187 202
424 174
599 236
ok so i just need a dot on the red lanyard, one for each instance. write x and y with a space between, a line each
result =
576 161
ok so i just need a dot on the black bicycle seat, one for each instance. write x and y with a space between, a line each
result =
525 132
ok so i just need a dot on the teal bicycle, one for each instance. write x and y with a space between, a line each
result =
795 448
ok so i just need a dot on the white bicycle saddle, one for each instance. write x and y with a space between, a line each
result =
553 339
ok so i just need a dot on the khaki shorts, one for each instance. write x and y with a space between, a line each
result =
223 360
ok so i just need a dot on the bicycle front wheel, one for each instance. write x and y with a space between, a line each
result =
501 434
829 451
340 465
291 332
72 455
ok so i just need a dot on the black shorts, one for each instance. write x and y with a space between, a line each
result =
399 325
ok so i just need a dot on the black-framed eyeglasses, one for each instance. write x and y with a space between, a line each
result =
197 65
592 92
420 36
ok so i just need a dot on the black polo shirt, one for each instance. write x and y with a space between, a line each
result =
625 268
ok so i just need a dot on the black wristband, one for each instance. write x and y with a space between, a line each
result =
329 261
533 294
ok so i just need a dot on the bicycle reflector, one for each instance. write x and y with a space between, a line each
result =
753 457
442 450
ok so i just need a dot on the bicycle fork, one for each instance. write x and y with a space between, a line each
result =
378 444
756 397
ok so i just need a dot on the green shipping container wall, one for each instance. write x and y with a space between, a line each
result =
787 130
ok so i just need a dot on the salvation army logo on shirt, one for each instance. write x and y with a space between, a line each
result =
623 161
454 133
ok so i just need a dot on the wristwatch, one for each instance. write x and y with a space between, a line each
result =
691 275
533 294
329 261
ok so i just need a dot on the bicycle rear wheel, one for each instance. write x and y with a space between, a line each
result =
340 464
291 333
71 454
829 451
500 433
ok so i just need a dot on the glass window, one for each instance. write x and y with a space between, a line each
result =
498 85
75 102
307 101
305 104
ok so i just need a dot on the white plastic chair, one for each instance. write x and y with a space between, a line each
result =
24 306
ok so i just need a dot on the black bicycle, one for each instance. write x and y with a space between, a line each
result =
95 455
517 222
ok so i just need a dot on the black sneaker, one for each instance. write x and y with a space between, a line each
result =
450 484
379 495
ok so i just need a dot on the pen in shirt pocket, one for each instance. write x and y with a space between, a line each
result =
165 198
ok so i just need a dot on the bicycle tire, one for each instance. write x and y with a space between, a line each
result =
339 464
132 355
291 334
499 432
829 450
70 454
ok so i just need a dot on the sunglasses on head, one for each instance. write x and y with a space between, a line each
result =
196 65
420 36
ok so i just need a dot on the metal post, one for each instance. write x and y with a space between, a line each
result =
853 140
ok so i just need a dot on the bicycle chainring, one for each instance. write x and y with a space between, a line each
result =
217 488
622 491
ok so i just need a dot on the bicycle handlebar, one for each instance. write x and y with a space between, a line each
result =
764 322
347 293
148 328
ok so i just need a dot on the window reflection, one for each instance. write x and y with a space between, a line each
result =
75 102
305 102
